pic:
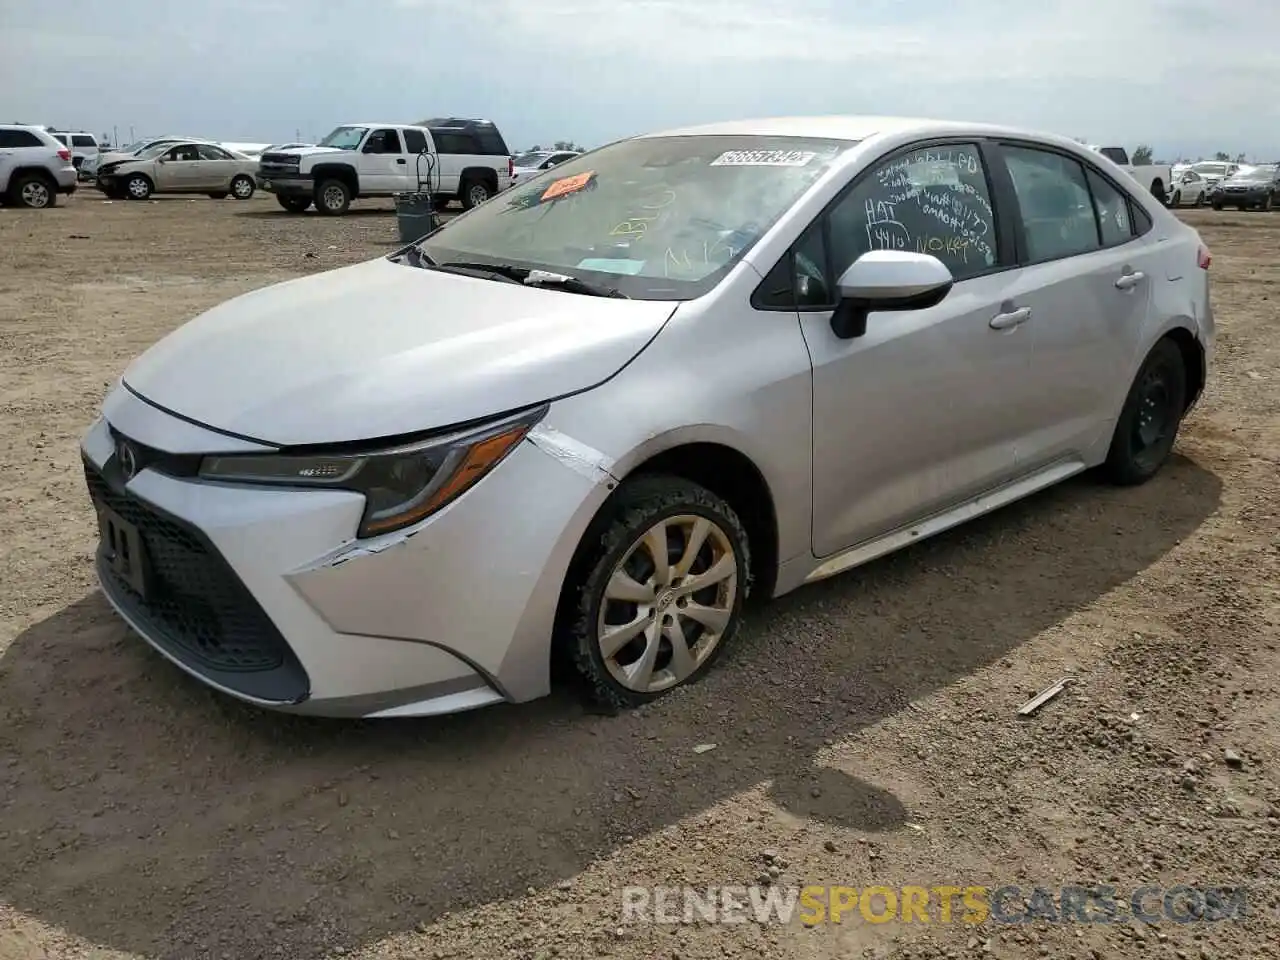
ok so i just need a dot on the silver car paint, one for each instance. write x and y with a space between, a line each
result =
855 440
379 350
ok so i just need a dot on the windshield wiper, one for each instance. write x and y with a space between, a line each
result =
505 272
545 278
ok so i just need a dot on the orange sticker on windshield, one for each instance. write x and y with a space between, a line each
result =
568 185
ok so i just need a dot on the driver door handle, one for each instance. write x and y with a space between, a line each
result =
1130 280
401 160
1007 321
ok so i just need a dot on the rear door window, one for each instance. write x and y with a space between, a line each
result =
415 141
19 138
1056 207
1112 208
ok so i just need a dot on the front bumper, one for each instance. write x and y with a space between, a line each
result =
1229 197
264 594
296 185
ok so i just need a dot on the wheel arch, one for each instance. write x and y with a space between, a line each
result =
486 174
32 169
337 171
1194 361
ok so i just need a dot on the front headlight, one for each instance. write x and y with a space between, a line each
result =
401 485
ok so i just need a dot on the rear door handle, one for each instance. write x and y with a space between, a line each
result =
402 160
1006 321
1130 280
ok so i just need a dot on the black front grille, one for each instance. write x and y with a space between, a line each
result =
195 607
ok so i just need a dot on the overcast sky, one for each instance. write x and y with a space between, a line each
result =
1186 76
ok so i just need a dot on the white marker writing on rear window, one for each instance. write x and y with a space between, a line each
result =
764 158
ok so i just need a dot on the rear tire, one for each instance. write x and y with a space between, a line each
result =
294 204
243 187
1149 421
333 198
678 630
33 191
1266 204
1200 199
473 193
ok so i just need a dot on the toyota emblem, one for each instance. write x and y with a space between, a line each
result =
128 459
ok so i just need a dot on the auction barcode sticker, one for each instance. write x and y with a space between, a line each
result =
763 158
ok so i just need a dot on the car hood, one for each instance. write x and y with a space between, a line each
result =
381 349
314 151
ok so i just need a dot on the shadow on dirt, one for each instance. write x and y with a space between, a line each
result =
144 813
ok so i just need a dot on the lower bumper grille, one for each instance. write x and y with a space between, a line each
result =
196 609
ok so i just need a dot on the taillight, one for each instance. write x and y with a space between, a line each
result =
64 154
1203 259
511 167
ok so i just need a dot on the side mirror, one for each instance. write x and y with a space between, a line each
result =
888 280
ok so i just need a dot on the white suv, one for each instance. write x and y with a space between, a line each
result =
82 145
464 160
34 167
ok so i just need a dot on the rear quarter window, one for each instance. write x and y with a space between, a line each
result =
19 138
1115 155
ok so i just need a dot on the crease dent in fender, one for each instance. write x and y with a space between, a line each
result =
574 454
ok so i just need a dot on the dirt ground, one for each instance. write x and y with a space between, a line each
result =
865 727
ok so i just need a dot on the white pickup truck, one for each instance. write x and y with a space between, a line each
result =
464 160
1156 177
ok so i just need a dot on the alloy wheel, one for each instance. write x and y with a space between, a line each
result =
242 188
479 193
333 197
668 603
138 188
35 193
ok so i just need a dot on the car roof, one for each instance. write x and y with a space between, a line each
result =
853 128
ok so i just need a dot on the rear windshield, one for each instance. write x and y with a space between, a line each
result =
659 218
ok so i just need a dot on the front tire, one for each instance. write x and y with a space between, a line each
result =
138 187
661 591
1149 420
333 198
294 204
1176 199
1266 204
243 187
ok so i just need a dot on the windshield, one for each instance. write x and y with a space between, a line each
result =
154 150
658 218
1266 171
1212 169
344 138
532 158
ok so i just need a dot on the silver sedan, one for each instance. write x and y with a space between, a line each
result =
185 167
583 421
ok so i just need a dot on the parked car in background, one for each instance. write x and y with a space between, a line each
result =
1154 177
459 160
254 150
620 422
187 167
34 167
533 162
1257 188
82 145
1189 188
93 164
